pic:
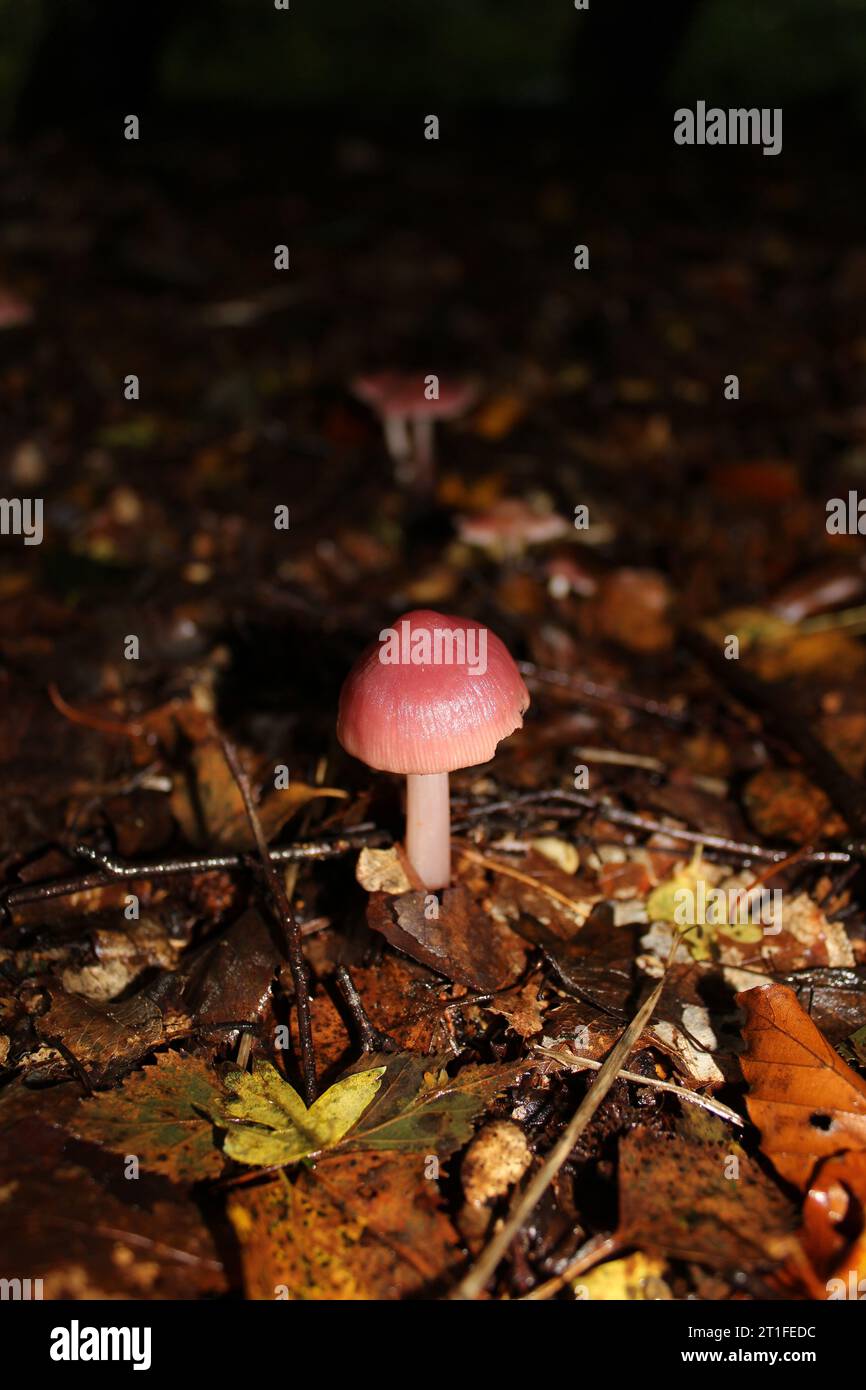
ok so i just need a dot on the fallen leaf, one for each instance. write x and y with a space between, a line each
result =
784 805
834 1232
696 1195
522 1008
160 1116
632 1279
803 1098
362 1226
267 1122
455 937
420 1109
211 811
700 920
382 871
559 852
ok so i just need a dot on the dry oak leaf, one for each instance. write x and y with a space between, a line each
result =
160 1115
362 1226
803 1098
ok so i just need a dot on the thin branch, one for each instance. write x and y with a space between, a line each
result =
578 909
595 1250
606 694
111 868
582 801
475 1281
573 1063
372 1038
286 917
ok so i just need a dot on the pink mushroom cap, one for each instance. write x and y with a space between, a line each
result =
404 393
511 523
421 717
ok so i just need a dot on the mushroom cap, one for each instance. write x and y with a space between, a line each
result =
404 393
511 522
413 715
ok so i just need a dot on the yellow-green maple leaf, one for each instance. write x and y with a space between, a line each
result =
267 1122
662 906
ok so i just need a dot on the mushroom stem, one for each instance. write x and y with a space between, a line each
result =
425 472
428 827
397 440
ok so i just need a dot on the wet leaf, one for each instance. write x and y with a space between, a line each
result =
455 937
382 871
803 1098
634 1278
700 920
160 1115
697 1195
420 1109
268 1123
362 1226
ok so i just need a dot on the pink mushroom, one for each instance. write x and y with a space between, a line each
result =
510 526
408 417
432 695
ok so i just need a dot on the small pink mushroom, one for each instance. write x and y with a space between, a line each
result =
510 526
432 695
408 417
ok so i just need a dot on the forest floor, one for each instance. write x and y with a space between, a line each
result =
150 1144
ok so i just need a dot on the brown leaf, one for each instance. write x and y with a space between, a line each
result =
696 1195
81 1229
161 1116
362 1226
462 942
211 810
784 805
803 1098
834 1234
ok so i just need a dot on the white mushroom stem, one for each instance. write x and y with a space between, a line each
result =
425 473
397 440
428 827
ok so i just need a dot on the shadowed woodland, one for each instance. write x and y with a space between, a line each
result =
243 1054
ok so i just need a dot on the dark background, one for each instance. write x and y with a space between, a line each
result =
65 60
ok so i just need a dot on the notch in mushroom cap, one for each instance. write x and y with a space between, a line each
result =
433 694
408 412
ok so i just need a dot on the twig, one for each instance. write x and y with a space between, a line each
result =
474 1282
715 1107
372 1039
286 917
93 721
584 802
607 694
112 868
578 909
595 1250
